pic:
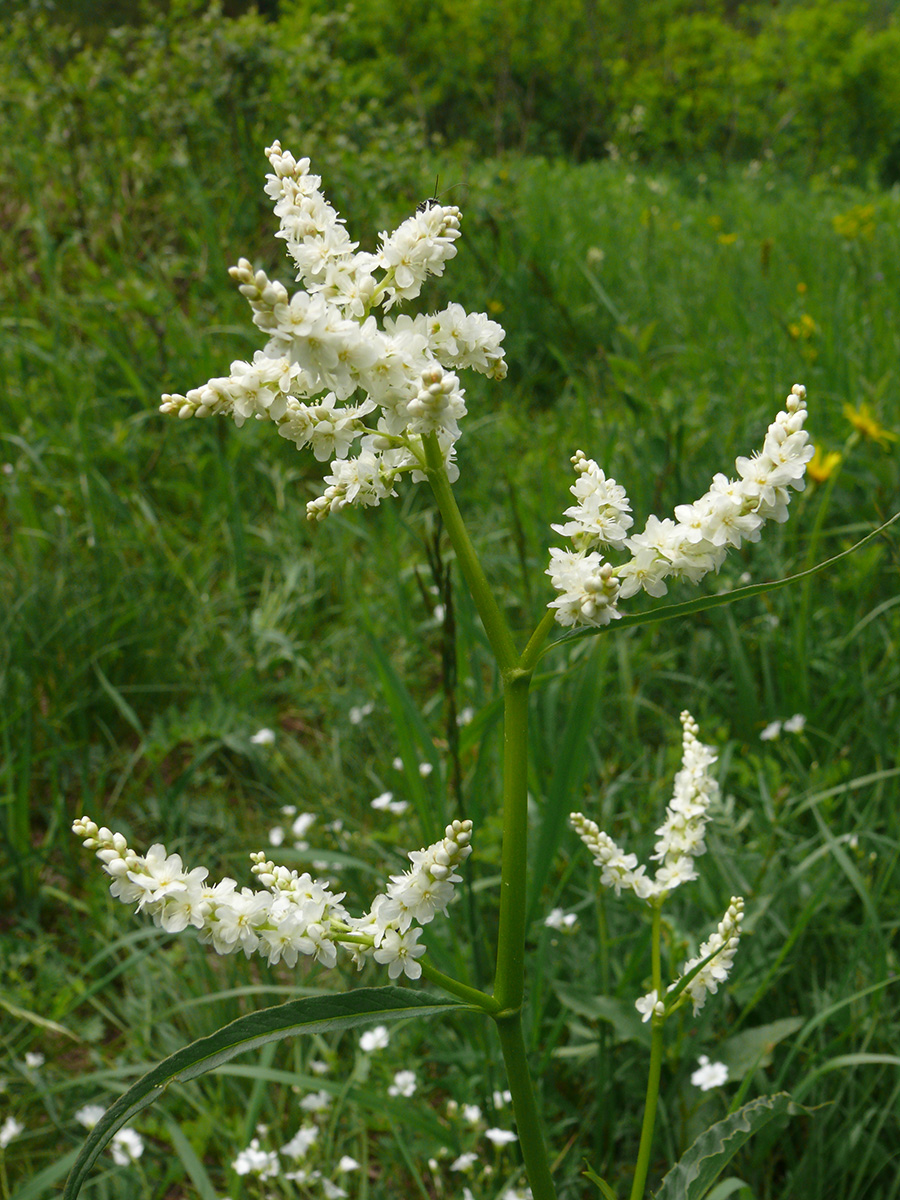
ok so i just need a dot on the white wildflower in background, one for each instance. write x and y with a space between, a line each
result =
359 712
501 1099
500 1137
34 1060
331 378
471 1113
316 1101
89 1115
305 1137
425 769
557 918
383 802
692 545
680 837
256 1161
347 1163
11 1128
771 731
126 1147
465 1162
332 1190
294 914
709 1074
795 724
263 737
318 1067
374 1039
404 1084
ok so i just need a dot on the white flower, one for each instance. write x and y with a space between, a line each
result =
263 737
471 1113
383 802
722 945
255 1161
316 1102
325 346
11 1128
331 1190
306 1136
359 712
404 1084
465 1162
276 836
374 1039
795 724
557 918
34 1060
688 547
89 1115
680 837
425 769
709 1074
399 951
126 1146
500 1137
771 731
501 1099
646 1005
347 1163
318 1067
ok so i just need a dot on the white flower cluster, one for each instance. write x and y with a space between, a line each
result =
722 945
294 914
680 837
689 547
328 366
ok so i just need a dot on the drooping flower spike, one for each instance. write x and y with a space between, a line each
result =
294 914
688 547
330 377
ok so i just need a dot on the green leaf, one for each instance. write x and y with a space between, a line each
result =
753 1048
312 1014
604 1187
667 611
702 1163
621 1014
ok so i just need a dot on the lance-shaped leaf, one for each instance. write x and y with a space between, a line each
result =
312 1014
702 1163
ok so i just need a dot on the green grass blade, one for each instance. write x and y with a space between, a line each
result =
313 1014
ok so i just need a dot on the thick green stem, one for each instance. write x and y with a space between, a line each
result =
528 1121
509 981
492 618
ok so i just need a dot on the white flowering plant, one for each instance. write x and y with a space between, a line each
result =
377 393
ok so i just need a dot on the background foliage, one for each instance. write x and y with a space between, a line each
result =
162 598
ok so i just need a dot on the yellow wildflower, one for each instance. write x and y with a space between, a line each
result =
821 466
726 239
865 421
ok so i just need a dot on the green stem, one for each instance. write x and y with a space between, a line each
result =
528 1121
509 980
536 641
471 995
492 618
656 1054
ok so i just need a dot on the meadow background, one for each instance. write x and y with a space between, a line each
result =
676 210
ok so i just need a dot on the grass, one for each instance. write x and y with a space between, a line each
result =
163 598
